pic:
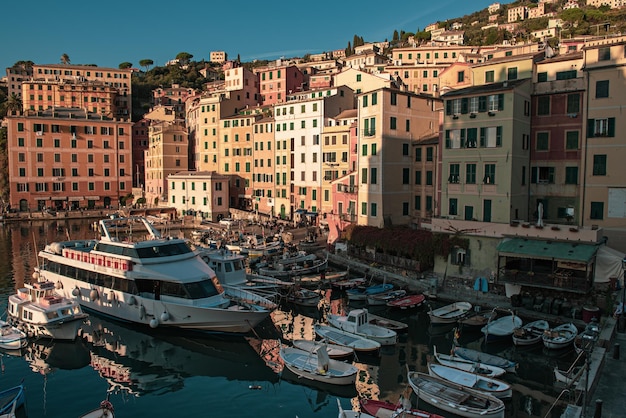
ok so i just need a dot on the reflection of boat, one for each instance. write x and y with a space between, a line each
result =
449 313
105 410
356 322
11 399
40 312
156 281
455 399
495 387
11 338
530 333
560 336
318 366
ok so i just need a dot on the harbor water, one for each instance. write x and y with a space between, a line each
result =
161 373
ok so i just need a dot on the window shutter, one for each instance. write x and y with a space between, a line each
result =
533 175
500 101
551 175
447 138
482 136
482 103
467 258
462 138
464 105
499 136
611 127
591 126
448 107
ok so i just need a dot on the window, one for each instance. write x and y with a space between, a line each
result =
429 178
597 210
373 209
543 141
418 177
363 208
470 173
599 165
494 102
601 127
491 137
489 76
364 175
604 53
364 101
571 175
392 123
418 154
602 89
473 104
405 176
405 208
373 175
460 76
542 77
374 151
429 154
405 149
453 206
542 175
454 176
571 140
566 75
543 105
490 174
394 98
511 73
573 103
418 202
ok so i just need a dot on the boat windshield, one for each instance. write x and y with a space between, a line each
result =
195 290
160 250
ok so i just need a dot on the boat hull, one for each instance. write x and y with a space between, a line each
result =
493 387
337 336
560 337
449 314
306 365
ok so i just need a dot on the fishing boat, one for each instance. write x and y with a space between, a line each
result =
467 365
560 336
105 410
450 313
318 366
383 298
39 311
391 324
298 269
11 399
403 409
501 328
133 274
335 351
348 339
486 358
477 320
11 337
356 322
349 283
495 387
407 302
361 293
568 377
303 297
455 399
351 413
294 258
530 333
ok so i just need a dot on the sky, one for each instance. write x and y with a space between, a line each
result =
115 31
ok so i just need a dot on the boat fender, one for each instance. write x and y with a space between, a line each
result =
165 317
142 312
132 300
58 285
93 295
76 291
154 323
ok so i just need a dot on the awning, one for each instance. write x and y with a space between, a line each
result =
41 198
547 250
311 214
92 197
58 198
76 198
300 211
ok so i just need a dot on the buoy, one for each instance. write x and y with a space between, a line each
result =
254 387
93 295
76 291
165 316
58 285
154 323
132 300
142 312
36 275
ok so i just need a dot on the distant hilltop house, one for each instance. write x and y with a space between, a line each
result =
571 4
217 57
517 13
430 28
613 4
449 37
493 8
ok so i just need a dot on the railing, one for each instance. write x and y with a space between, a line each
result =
556 281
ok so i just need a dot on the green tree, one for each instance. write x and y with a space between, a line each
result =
184 58
146 63
14 103
395 38
125 65
65 59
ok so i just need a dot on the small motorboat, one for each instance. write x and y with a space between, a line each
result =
495 387
340 337
450 313
407 302
105 410
356 322
467 365
379 408
560 336
477 320
486 358
11 399
361 293
11 337
303 297
349 283
568 377
501 328
351 413
318 366
335 351
391 324
386 297
530 333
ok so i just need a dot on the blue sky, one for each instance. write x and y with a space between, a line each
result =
115 31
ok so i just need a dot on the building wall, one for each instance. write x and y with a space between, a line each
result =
264 176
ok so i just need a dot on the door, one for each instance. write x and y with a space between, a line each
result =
487 210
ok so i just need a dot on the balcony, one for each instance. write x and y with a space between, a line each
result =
560 280
369 132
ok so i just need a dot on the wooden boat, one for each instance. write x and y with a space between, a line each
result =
334 351
450 313
467 365
40 312
382 409
340 337
391 324
318 366
105 410
489 385
360 293
568 377
385 297
298 269
303 297
406 302
586 340
530 333
502 327
478 319
11 337
294 258
356 322
486 358
560 336
11 399
319 279
351 413
455 399
349 283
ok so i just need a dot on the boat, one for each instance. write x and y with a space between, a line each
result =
501 328
530 333
11 337
568 377
486 358
495 387
477 320
407 302
450 313
455 399
294 258
349 283
143 278
560 336
467 365
11 399
586 340
318 366
391 324
351 413
382 409
303 297
356 322
105 410
39 311
335 351
383 298
361 293
340 337
319 280
293 270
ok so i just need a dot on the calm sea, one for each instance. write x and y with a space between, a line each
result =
163 374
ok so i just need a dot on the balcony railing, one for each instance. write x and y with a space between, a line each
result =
566 280
369 132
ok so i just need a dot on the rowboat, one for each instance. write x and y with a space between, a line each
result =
450 313
303 297
455 399
334 351
489 385
477 320
501 327
480 357
318 366
349 283
340 337
11 399
467 365
530 333
383 298
560 336
359 293
11 337
356 322
406 302
382 409
105 410
391 324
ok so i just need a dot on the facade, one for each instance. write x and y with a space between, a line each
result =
517 13
217 56
264 175
243 83
426 179
199 193
361 81
276 82
613 4
173 97
140 140
68 159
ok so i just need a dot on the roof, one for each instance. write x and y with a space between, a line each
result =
548 250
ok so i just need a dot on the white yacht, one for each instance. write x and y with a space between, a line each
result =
156 281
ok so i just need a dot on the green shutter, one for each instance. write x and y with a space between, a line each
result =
533 175
611 127
464 105
483 131
499 136
448 107
462 138
482 103
591 125
447 138
500 101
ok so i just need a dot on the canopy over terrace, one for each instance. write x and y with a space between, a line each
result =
561 265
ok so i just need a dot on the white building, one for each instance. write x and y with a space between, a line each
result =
203 194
